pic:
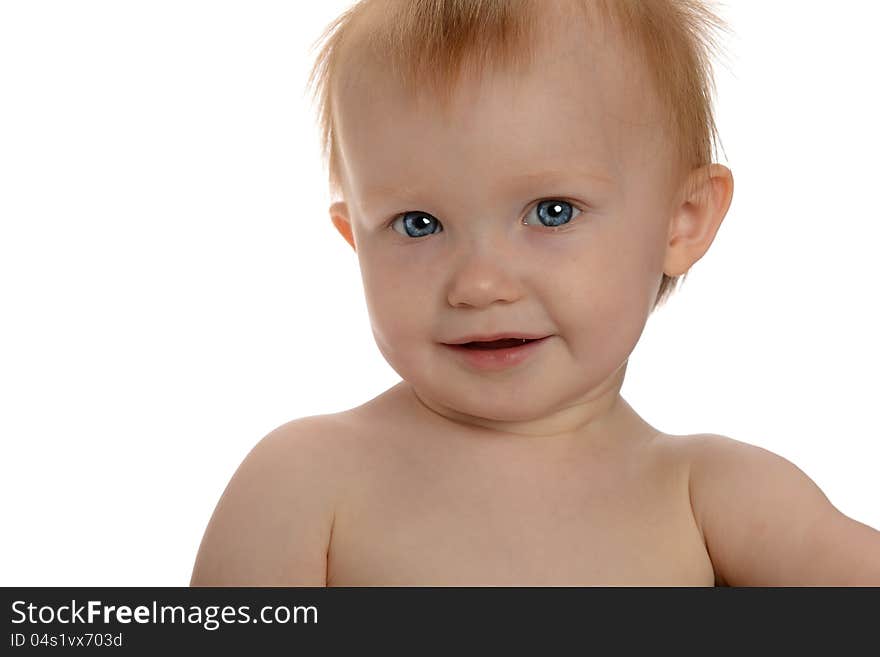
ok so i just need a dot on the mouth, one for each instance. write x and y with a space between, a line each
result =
498 354
505 343
504 340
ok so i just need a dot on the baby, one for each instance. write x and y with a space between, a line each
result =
523 182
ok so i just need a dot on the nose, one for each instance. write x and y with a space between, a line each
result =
481 279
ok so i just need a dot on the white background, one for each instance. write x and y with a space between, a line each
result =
172 289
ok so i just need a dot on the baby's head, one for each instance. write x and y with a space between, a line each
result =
532 167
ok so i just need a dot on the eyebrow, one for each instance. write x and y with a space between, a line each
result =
511 182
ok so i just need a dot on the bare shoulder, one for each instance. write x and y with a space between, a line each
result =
765 522
273 522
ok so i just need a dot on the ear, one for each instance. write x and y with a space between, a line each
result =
340 218
709 191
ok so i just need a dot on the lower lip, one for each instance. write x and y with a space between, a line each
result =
497 359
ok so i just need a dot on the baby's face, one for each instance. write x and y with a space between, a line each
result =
540 208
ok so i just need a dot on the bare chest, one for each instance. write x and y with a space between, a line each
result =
467 519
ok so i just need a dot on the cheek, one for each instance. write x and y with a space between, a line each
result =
395 303
633 258
606 294
605 323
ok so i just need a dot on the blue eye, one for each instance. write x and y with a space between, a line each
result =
417 223
552 213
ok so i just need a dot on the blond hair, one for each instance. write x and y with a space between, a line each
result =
424 45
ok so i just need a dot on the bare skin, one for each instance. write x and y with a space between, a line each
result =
393 493
440 505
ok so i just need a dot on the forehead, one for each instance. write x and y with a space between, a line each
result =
581 104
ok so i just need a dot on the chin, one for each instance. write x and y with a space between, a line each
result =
486 399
